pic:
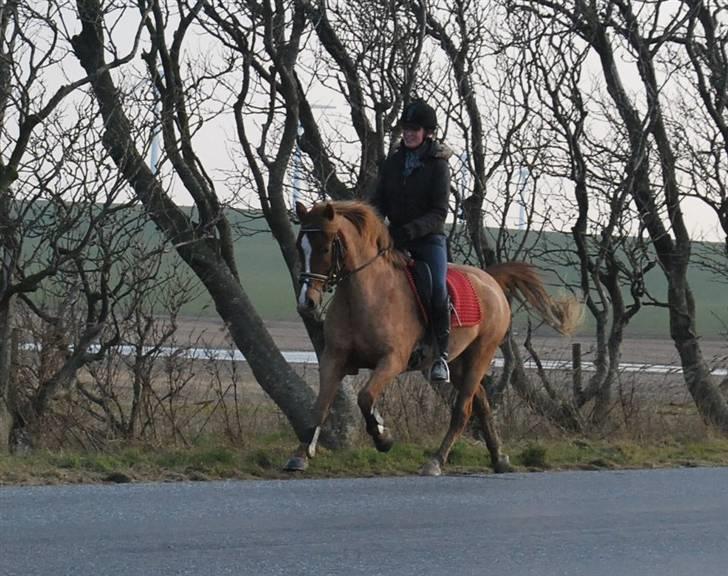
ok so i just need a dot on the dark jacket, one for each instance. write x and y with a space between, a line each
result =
416 204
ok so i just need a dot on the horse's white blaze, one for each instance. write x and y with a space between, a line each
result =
306 249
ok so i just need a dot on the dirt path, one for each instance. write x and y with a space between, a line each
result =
289 335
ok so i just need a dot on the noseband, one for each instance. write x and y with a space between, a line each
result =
337 272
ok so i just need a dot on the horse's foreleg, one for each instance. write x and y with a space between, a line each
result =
381 376
331 372
481 408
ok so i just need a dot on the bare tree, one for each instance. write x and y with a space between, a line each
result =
31 47
486 92
374 49
700 48
70 322
608 254
369 53
204 244
143 324
699 53
651 176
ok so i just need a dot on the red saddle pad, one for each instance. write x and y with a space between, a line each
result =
462 295
464 299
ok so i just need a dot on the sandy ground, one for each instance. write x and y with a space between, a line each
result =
290 335
670 386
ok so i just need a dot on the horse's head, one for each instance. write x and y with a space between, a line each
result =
322 252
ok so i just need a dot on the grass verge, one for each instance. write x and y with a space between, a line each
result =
264 461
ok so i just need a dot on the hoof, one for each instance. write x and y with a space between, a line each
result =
296 464
431 468
384 442
503 466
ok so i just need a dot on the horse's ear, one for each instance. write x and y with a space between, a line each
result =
300 210
329 211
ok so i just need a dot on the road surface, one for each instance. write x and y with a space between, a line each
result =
659 522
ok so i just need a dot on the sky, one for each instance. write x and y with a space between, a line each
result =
216 141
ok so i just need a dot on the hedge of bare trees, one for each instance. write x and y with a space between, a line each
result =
617 108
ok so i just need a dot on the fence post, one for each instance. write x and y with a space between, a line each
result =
576 370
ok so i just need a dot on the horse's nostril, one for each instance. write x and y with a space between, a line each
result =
307 305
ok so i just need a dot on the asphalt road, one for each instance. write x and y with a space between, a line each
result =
661 522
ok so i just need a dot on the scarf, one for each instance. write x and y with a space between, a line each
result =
413 159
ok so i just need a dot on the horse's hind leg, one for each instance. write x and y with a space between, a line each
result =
461 410
331 372
481 408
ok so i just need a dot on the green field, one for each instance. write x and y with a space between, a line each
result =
267 283
263 274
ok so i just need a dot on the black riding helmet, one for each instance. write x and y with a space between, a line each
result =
419 113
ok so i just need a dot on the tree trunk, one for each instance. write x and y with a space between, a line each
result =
7 255
200 252
275 376
700 383
6 392
673 254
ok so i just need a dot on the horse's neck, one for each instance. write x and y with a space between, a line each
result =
373 277
360 257
376 307
377 283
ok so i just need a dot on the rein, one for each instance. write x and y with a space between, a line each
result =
336 273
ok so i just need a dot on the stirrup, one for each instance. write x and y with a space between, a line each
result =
440 371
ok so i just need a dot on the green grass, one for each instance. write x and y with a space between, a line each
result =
264 460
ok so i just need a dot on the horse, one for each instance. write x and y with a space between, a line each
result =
374 321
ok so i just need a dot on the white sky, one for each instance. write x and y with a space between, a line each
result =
216 140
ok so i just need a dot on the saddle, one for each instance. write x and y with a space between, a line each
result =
464 303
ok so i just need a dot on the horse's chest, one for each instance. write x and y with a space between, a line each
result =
375 323
368 344
365 343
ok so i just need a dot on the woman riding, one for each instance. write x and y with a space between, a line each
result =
413 194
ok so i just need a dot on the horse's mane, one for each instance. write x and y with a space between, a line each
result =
371 227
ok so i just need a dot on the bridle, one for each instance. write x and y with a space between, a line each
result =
337 272
334 274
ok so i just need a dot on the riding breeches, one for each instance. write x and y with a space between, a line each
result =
433 250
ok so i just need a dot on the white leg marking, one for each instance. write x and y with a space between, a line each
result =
380 421
311 450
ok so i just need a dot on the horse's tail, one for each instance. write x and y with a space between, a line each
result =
522 279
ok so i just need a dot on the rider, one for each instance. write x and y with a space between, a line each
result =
413 193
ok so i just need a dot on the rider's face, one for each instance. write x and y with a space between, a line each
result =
413 136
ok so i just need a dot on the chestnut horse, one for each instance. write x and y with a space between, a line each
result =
374 322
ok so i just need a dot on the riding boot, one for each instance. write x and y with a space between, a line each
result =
440 371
